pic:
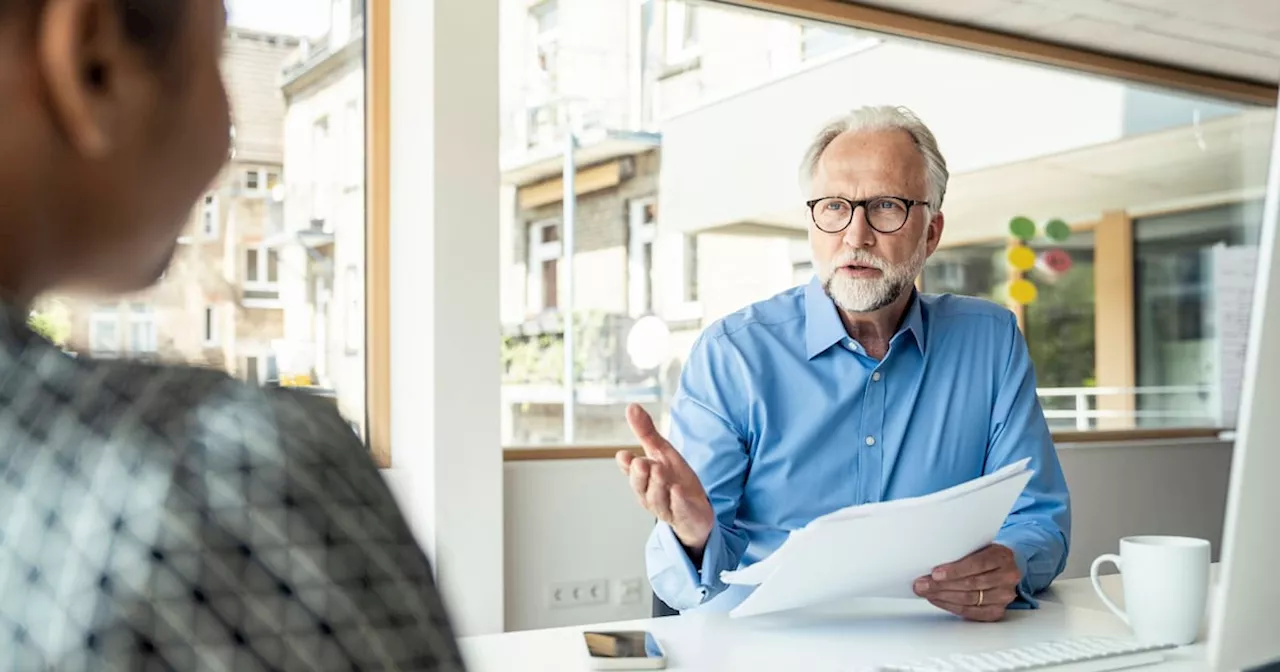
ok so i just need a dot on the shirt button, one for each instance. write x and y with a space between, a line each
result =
871 440
876 376
851 345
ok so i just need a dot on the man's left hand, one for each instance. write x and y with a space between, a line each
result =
978 587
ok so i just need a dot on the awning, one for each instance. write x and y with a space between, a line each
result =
594 146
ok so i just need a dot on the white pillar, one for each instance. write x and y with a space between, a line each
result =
445 421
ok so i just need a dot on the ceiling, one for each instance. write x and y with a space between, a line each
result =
1235 38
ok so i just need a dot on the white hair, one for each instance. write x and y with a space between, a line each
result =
879 118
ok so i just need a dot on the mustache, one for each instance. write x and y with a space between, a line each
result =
860 258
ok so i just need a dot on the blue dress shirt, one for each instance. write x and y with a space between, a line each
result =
784 418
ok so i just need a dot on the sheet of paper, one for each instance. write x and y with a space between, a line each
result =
756 574
882 553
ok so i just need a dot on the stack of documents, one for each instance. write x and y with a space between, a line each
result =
880 549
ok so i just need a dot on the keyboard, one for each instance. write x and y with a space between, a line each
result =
1084 654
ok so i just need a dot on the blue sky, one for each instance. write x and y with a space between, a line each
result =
291 17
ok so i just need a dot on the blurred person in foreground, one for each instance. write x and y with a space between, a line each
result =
156 517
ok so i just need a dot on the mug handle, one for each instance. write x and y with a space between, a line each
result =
1097 587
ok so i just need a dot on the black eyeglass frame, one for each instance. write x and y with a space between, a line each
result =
854 205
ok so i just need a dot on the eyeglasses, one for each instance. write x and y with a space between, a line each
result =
885 214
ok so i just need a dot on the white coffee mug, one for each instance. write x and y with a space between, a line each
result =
1166 587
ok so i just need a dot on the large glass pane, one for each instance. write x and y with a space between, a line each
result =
252 289
1190 308
690 119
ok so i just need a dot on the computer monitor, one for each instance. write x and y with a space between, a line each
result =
1244 629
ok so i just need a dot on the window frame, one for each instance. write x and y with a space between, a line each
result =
210 226
142 314
640 289
262 255
210 334
99 317
540 253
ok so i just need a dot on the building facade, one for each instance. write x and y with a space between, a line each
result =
218 304
322 243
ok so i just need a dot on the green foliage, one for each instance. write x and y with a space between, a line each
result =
539 360
1060 329
53 324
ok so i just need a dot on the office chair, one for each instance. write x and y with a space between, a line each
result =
660 608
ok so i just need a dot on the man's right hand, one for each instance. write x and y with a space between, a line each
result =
666 485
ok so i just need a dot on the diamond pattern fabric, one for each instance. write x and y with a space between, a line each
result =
171 518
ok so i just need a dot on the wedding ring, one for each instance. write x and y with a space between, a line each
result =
981 595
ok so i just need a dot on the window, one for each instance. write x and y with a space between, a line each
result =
209 216
544 21
643 233
209 326
1194 273
142 329
681 33
104 331
262 266
259 370
239 293
1131 287
544 266
261 277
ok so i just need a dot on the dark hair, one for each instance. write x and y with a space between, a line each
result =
153 25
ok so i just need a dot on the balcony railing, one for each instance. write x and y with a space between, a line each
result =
1088 408
533 353
541 125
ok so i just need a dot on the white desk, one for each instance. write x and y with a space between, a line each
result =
827 641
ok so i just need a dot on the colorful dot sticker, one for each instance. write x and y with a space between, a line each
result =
1022 228
1057 230
1022 257
1022 292
1056 261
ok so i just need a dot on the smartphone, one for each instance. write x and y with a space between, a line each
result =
624 650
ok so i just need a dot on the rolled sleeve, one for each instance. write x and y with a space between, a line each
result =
1038 529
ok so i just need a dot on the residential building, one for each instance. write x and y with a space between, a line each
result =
323 240
218 304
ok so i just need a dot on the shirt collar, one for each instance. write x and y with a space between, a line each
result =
824 329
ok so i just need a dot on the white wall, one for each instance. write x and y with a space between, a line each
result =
1117 490
572 521
575 520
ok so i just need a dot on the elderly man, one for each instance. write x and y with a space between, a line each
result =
165 517
853 389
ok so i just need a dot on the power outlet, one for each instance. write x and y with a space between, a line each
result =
630 591
578 593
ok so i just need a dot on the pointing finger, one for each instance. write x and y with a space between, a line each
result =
655 446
